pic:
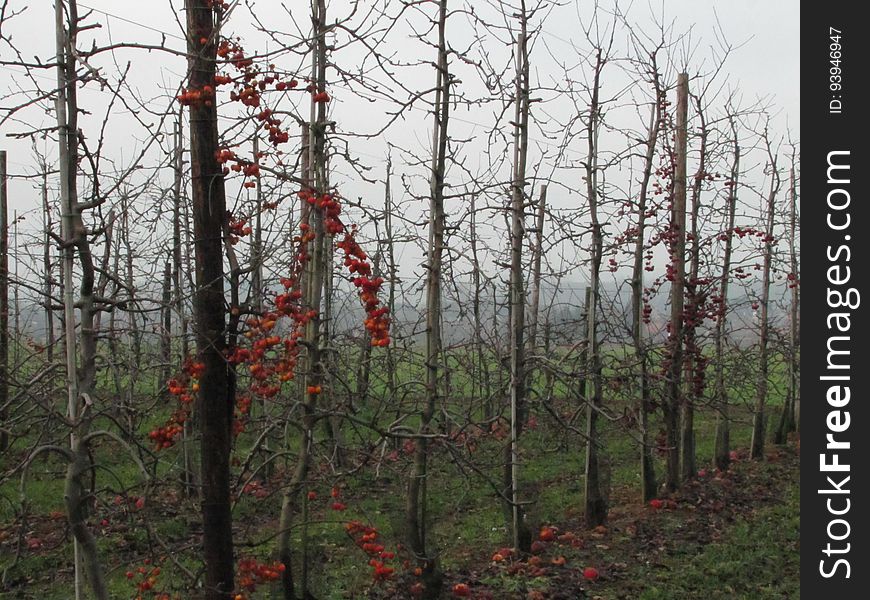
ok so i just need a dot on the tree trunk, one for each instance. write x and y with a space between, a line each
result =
759 420
81 375
48 287
180 222
694 363
595 501
416 514
166 331
722 450
791 406
216 396
315 180
648 477
537 259
520 534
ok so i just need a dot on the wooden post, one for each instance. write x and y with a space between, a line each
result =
315 180
16 328
678 270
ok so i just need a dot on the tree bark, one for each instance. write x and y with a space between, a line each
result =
520 534
694 357
535 300
416 505
48 286
81 375
316 180
648 477
166 331
595 508
216 396
791 406
759 420
180 222
722 450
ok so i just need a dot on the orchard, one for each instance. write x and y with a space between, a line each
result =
401 299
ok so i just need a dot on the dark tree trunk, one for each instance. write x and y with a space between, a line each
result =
595 500
215 401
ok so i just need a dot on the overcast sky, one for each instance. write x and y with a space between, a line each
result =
765 63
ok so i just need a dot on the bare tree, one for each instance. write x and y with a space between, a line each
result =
521 537
790 415
721 453
416 511
759 421
651 68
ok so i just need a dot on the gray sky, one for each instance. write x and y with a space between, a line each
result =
765 64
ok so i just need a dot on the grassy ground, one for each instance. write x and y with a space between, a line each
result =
756 558
729 537
733 536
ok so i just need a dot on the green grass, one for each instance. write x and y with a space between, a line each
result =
467 522
757 559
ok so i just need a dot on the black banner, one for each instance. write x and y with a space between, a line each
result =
834 419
